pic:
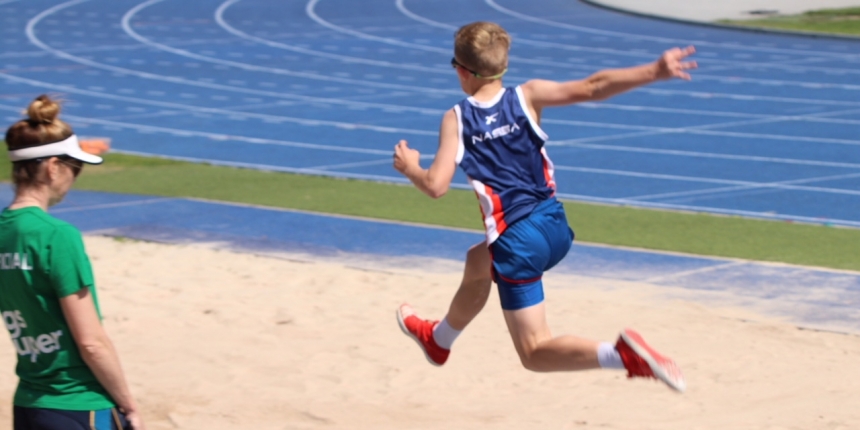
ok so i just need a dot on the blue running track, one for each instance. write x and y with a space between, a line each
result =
768 127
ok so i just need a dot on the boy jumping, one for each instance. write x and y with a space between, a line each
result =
494 135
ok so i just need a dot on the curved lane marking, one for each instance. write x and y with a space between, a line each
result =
218 137
730 46
707 192
219 18
769 82
126 19
682 178
725 64
708 209
698 75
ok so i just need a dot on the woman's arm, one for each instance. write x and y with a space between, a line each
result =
98 351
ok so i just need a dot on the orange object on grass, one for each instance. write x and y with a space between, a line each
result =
95 145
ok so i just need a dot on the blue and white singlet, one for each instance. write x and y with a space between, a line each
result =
502 152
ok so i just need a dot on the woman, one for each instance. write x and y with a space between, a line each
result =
70 375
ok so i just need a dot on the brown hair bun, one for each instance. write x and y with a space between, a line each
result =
43 110
41 128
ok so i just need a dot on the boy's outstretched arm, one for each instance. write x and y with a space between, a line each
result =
607 83
435 180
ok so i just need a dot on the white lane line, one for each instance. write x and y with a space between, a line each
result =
208 85
114 205
775 82
650 56
310 11
232 137
183 112
746 97
161 113
710 209
796 65
312 4
710 191
680 178
820 117
212 86
707 130
126 26
676 275
30 31
778 137
275 168
112 48
219 18
697 154
772 119
581 140
219 137
684 42
234 113
357 164
401 6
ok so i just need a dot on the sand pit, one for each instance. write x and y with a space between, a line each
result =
221 340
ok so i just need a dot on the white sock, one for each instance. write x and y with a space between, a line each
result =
444 334
608 356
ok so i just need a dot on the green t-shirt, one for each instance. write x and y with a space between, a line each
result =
41 260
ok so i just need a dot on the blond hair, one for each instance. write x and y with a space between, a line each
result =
483 48
41 127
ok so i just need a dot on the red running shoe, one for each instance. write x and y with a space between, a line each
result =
421 331
641 360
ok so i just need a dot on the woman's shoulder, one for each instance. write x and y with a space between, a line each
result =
46 224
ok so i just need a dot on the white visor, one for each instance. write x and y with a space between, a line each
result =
69 147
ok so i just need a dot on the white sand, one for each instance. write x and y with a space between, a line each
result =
219 340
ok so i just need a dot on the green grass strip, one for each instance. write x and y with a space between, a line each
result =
836 21
641 228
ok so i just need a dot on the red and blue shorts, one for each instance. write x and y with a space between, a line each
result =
526 250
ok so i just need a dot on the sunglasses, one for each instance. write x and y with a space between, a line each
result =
74 164
455 64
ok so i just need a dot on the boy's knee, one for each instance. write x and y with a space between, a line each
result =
529 363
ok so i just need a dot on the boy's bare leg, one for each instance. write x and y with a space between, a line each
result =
474 288
436 337
539 351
